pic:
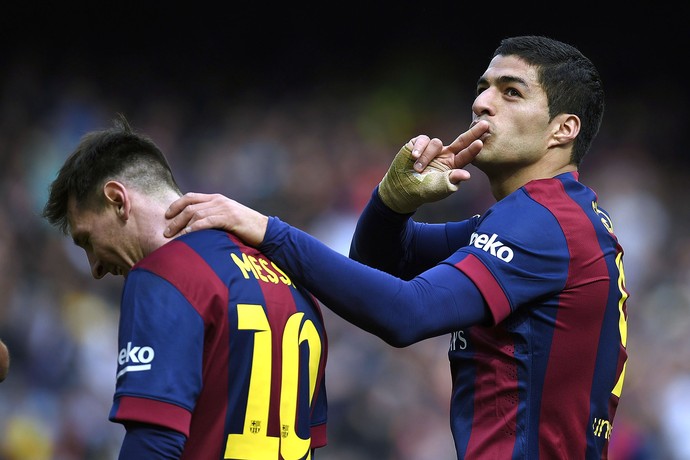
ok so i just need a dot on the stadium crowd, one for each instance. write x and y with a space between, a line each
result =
312 156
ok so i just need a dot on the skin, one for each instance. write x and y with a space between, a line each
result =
520 144
117 237
4 361
196 211
510 139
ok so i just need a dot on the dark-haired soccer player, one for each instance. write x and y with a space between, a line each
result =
221 355
532 292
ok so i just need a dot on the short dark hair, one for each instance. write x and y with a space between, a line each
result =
570 80
113 153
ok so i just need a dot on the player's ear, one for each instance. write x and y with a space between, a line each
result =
566 127
117 197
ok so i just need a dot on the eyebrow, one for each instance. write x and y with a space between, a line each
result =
502 80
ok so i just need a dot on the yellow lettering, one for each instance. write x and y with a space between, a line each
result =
622 321
254 439
284 278
602 427
605 219
257 268
254 442
261 269
292 446
244 265
272 277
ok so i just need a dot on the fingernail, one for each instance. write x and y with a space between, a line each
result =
418 166
415 153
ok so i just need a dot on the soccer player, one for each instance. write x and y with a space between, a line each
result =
221 355
532 292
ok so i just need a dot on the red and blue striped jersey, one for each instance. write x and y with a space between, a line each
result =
218 343
543 379
532 294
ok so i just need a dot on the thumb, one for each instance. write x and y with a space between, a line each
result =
455 176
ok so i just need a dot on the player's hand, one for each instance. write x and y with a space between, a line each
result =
454 156
425 170
197 211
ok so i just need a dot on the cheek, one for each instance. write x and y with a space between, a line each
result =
529 134
105 242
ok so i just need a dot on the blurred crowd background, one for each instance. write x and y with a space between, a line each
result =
300 117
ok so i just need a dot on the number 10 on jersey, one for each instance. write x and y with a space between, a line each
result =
254 441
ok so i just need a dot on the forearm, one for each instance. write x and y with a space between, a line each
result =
151 442
399 312
379 237
398 245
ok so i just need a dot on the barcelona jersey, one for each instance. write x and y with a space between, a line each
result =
543 379
218 343
532 294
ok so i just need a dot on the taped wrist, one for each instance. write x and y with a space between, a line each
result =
404 190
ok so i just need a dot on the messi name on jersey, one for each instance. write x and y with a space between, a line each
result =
261 269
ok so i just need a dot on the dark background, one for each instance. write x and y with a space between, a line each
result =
287 46
216 51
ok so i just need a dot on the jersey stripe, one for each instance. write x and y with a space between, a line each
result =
487 285
204 290
587 288
496 394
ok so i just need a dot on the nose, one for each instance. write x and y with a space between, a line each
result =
482 104
97 269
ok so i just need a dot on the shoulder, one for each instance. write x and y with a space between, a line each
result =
519 228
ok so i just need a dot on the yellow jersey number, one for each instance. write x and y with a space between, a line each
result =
622 319
254 441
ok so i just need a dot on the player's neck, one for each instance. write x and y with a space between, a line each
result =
506 182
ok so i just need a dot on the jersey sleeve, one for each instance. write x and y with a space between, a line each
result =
440 300
516 255
159 362
151 442
397 244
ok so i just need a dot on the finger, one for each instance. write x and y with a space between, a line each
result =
193 217
465 139
419 143
458 175
466 155
180 224
430 151
185 200
184 211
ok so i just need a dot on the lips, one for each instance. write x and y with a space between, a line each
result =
474 123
